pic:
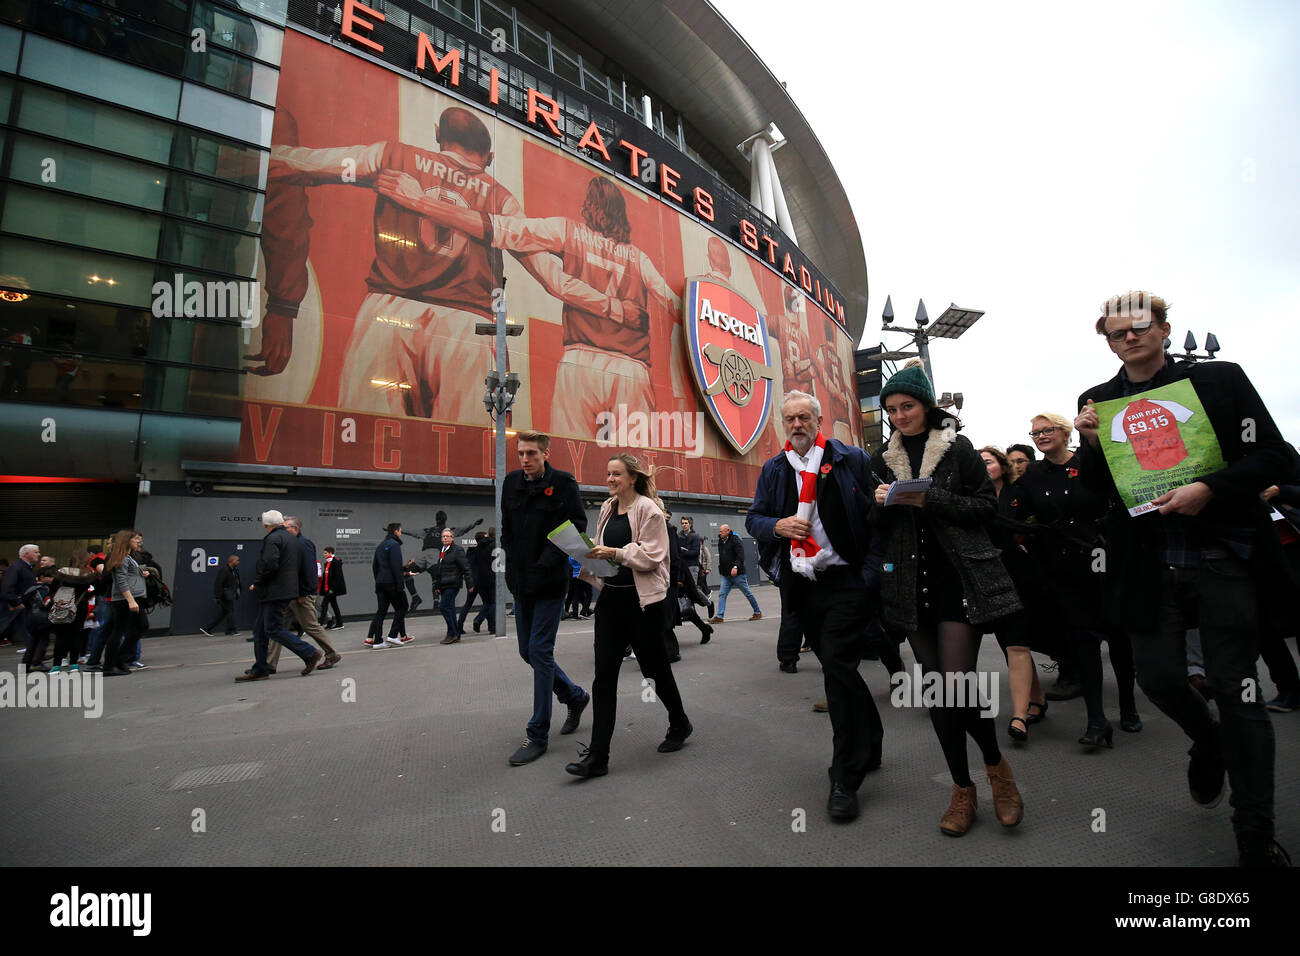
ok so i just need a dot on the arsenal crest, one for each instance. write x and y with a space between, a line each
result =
731 358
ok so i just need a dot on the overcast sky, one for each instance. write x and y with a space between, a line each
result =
1032 159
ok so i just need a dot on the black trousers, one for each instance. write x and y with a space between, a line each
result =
330 605
119 644
397 598
620 621
225 612
1219 598
69 641
833 612
790 638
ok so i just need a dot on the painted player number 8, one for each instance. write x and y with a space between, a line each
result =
737 377
1139 426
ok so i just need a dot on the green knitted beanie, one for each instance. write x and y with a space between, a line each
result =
910 380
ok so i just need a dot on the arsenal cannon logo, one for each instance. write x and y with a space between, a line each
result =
731 358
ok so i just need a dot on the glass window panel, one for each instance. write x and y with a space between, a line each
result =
157 41
533 46
461 10
596 83
94 124
494 19
234 74
84 273
68 378
45 214
63 66
221 205
213 249
10 39
6 93
567 68
208 109
85 327
238 32
87 173
224 159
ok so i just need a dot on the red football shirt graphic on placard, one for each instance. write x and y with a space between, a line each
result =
1152 429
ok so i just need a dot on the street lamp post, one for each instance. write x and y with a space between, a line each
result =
499 397
951 325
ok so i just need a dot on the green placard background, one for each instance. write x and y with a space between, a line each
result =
1137 486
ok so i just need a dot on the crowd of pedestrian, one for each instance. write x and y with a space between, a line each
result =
931 541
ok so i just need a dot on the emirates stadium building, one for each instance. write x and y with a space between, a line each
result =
249 250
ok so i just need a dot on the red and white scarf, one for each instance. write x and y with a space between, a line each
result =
806 555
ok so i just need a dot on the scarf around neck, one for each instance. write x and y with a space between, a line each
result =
806 555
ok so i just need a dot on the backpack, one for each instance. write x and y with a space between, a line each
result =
156 591
63 608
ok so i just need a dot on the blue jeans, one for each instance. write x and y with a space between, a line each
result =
741 582
536 623
96 646
447 604
270 627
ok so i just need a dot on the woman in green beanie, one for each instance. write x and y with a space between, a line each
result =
942 575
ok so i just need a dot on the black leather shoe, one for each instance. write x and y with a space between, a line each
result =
675 738
575 715
706 635
1096 735
1256 852
527 753
477 625
416 602
789 667
1130 723
590 765
1205 775
1064 690
842 804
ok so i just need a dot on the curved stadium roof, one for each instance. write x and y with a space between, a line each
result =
689 54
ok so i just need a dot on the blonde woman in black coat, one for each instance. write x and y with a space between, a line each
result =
942 576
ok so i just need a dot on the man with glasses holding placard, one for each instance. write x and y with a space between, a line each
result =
1200 553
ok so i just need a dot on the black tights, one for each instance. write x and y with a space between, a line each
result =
954 649
1085 648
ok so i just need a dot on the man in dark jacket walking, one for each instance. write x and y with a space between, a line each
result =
833 592
225 591
731 570
482 583
535 501
389 578
276 584
302 610
1208 556
449 568
17 580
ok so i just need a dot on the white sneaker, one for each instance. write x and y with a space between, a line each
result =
394 641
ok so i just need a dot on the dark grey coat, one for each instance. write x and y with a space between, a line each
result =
959 505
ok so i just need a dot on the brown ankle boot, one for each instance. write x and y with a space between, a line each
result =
961 812
1007 804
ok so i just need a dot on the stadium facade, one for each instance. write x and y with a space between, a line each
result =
246 247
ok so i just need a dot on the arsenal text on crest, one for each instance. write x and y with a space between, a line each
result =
729 323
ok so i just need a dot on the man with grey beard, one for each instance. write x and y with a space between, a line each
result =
810 517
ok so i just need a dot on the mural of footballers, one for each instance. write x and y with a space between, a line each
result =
830 370
606 360
413 341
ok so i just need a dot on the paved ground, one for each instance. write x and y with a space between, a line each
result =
399 757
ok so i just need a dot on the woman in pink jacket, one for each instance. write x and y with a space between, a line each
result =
633 533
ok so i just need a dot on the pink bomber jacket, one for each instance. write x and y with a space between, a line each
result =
647 555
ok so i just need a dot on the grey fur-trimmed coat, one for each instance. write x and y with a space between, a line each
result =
959 505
